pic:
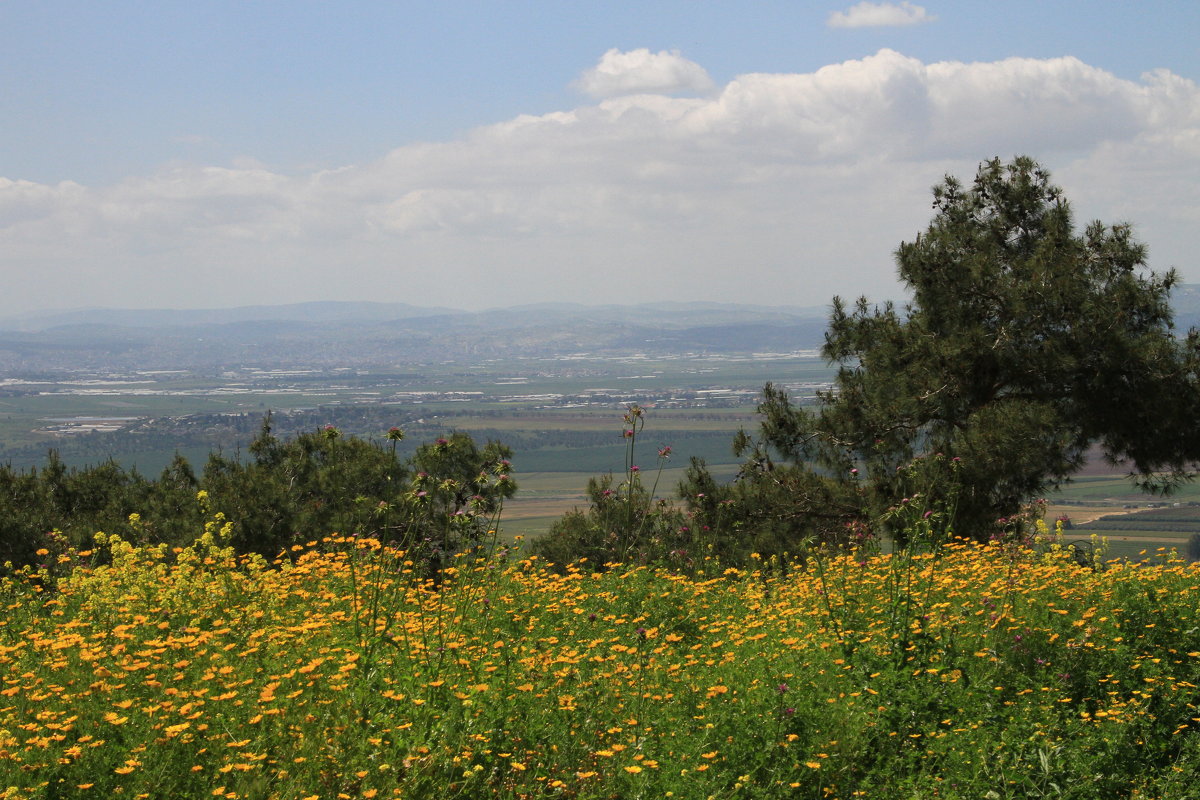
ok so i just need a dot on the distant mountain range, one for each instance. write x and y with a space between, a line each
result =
669 314
169 318
359 334
325 334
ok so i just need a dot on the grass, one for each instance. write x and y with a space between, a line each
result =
340 671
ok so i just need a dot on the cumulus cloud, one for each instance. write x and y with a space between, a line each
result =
880 15
640 71
778 188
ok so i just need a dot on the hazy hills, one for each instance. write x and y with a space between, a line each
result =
360 334
667 314
348 334
167 318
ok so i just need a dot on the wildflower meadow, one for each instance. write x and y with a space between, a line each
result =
344 669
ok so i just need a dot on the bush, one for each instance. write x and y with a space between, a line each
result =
289 491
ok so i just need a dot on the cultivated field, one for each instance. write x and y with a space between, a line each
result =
561 415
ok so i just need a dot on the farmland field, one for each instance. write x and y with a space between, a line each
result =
560 415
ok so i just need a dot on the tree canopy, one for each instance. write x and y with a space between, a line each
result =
286 492
1024 344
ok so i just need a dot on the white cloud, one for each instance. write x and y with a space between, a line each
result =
780 188
640 71
880 15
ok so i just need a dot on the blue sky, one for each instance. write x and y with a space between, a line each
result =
479 154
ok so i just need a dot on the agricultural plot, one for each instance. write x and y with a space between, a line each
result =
1102 502
561 416
1142 534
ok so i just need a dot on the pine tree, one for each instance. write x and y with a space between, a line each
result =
1024 344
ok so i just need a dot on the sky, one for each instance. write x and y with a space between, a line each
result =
208 154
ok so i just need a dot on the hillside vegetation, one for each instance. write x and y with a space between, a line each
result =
342 670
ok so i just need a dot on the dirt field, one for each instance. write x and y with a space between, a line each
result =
1082 514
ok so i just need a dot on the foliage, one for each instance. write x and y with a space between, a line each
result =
731 525
1024 344
287 491
774 509
455 498
624 522
73 503
959 671
630 523
300 488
